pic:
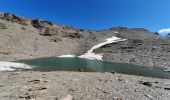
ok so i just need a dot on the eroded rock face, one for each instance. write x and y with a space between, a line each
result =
14 18
37 23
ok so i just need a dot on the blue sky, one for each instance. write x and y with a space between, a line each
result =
95 14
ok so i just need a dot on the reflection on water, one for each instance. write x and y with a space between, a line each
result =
77 64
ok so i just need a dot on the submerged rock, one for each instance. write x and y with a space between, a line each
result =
81 70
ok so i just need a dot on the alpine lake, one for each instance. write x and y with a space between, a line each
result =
86 65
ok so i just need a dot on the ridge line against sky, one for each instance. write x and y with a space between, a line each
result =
95 14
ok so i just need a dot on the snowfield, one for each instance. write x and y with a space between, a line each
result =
67 56
12 66
91 55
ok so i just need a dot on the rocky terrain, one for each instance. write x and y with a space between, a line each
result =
81 86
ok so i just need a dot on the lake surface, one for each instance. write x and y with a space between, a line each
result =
79 64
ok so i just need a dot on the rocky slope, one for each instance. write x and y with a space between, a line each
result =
24 38
141 47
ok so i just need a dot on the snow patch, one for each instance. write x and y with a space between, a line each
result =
91 55
12 66
69 56
164 32
116 32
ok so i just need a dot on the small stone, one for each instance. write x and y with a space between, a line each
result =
46 81
38 88
75 79
28 97
146 83
156 82
126 81
150 97
72 90
113 98
100 79
166 88
81 70
120 79
68 97
35 81
57 75
113 72
43 88
25 95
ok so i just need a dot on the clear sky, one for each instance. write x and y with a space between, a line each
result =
95 14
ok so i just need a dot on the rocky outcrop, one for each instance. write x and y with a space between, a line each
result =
37 23
49 32
14 18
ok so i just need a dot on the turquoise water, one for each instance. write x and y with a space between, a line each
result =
78 64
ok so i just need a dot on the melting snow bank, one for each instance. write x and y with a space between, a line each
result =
91 55
166 70
67 56
12 66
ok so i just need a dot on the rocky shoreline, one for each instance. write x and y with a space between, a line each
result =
21 85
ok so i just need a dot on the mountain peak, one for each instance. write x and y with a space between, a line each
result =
168 35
